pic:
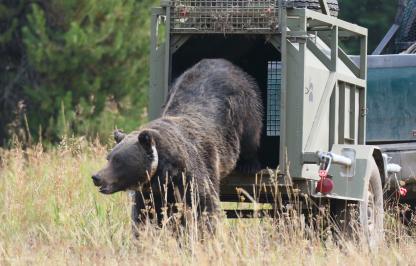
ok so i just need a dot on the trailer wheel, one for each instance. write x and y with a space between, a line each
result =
364 220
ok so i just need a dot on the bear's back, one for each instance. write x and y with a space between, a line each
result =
211 88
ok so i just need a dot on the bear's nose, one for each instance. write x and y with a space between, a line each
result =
96 180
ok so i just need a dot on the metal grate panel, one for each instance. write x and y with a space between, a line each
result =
273 98
224 16
407 31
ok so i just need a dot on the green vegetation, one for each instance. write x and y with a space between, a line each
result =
375 15
80 67
76 67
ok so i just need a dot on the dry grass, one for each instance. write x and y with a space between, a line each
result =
50 213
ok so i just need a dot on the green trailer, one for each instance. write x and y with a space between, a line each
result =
314 96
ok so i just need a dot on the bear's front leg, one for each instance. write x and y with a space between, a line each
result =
146 208
209 209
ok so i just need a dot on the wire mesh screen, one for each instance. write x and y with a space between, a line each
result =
407 32
224 16
273 98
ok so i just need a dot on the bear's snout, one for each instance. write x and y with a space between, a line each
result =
106 185
96 180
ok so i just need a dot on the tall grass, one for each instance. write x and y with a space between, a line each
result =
50 213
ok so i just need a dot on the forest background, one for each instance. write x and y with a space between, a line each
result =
80 67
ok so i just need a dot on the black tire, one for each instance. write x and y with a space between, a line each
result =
363 220
314 5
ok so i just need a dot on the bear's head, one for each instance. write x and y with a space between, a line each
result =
131 162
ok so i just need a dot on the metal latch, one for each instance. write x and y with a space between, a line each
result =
346 160
325 163
325 183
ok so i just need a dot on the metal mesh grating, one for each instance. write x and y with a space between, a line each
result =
273 98
407 32
224 16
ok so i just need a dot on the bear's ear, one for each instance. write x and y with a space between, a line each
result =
118 135
146 140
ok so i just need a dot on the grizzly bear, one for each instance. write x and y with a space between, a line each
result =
210 124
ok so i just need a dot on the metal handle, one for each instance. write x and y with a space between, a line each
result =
335 158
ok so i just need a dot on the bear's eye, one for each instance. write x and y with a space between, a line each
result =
116 159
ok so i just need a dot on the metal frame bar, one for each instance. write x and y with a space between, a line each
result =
389 35
363 57
318 19
324 7
177 41
334 28
319 54
334 49
393 29
275 41
332 117
342 55
157 85
283 88
168 54
356 81
362 115
353 90
341 113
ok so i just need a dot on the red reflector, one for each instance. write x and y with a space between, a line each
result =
403 192
325 185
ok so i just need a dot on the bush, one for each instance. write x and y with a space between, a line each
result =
89 61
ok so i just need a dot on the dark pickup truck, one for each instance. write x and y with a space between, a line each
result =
391 116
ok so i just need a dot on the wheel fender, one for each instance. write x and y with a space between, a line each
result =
354 188
378 157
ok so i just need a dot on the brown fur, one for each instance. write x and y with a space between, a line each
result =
210 124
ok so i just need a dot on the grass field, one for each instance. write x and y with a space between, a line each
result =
50 213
